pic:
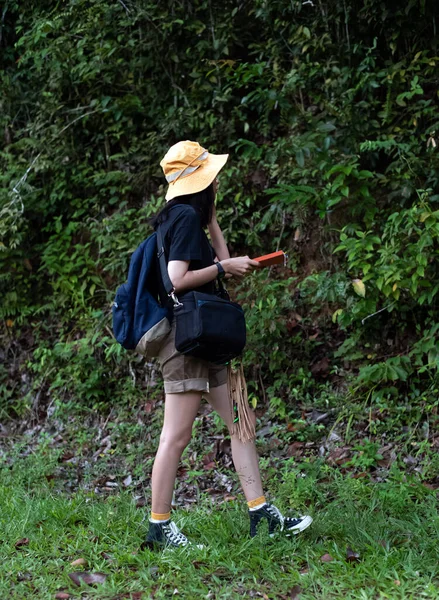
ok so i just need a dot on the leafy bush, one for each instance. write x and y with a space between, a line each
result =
331 125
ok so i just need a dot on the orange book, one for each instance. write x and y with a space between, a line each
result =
275 258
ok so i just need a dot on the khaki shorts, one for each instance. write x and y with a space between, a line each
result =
184 373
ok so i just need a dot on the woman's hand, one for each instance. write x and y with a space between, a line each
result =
240 266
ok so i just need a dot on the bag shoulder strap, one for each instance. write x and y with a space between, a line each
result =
169 288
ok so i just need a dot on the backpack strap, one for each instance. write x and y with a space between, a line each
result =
169 288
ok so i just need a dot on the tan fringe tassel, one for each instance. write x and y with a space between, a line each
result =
238 397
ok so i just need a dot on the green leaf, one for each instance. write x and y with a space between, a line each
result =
325 127
300 158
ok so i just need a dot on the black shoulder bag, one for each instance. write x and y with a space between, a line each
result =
208 326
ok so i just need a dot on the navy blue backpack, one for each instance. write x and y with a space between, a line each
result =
140 323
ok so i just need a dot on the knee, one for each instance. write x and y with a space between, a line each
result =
175 441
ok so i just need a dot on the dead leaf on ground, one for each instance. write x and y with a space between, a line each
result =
295 449
66 456
88 578
295 592
62 596
326 558
321 367
352 556
338 455
22 542
128 481
384 463
396 582
107 556
360 475
209 457
429 486
78 562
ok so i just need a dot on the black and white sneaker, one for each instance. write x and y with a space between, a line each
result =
167 535
276 521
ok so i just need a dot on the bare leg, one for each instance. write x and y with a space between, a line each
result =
245 457
180 413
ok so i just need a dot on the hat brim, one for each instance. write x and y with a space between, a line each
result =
198 180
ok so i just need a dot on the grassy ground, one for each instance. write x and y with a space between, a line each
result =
382 538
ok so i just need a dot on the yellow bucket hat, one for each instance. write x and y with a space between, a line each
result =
189 168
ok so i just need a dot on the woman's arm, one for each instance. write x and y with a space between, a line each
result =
217 238
182 279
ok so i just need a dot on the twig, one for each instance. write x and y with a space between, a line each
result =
77 119
377 312
3 20
282 230
262 387
107 419
125 7
23 179
15 193
346 24
280 237
133 375
110 333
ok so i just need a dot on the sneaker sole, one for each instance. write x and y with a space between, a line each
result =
187 547
299 528
160 547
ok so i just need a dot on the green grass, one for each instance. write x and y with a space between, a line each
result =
394 526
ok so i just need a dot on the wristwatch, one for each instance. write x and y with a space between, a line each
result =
221 272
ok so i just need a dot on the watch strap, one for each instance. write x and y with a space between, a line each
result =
221 272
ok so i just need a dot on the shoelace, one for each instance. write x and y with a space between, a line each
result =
275 512
174 534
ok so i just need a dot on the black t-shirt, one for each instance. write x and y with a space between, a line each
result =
185 239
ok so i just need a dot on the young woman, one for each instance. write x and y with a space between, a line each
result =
193 264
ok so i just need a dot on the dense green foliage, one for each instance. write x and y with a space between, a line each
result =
329 110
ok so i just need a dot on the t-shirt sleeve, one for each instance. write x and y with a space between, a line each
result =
185 237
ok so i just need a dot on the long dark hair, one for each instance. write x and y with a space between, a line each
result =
202 202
